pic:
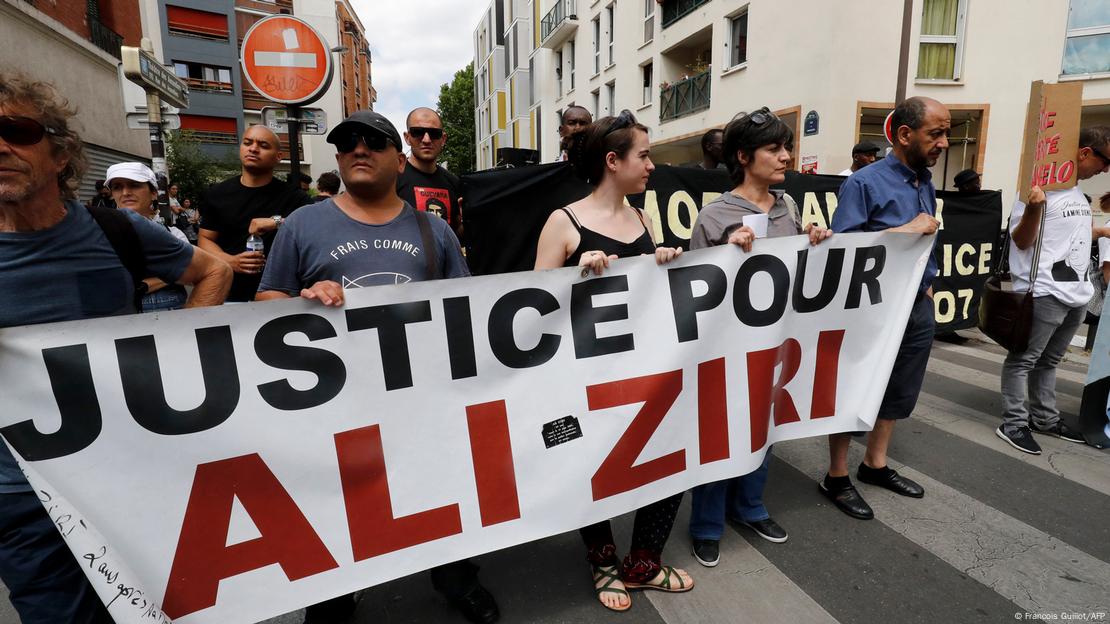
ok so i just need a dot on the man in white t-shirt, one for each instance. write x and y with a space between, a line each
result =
1061 291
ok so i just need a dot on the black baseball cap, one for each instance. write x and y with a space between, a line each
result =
966 176
866 147
366 120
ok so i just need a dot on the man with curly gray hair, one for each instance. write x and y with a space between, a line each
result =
61 261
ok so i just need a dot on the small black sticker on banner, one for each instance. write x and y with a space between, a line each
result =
561 431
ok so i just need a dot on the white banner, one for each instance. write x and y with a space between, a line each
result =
232 464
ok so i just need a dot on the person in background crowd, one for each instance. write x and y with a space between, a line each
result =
613 156
757 151
103 196
863 153
181 219
305 182
425 184
171 197
253 202
303 263
1100 277
574 119
1060 294
968 181
327 185
711 144
895 194
133 188
59 265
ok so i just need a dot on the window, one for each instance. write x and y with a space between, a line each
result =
558 74
207 129
597 103
610 98
531 81
570 51
193 23
1087 48
612 27
648 91
649 20
942 34
597 45
738 39
201 77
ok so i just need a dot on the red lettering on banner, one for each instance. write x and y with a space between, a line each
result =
374 530
203 558
823 402
618 472
712 412
491 452
764 392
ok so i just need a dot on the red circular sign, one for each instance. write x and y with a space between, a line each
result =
286 60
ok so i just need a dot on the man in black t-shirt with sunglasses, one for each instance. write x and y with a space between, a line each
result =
424 184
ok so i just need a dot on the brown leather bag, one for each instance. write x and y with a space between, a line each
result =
1004 315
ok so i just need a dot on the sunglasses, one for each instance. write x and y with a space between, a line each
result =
418 133
762 117
374 142
1103 157
623 120
23 130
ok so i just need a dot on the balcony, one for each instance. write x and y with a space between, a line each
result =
674 10
209 86
105 38
558 25
684 97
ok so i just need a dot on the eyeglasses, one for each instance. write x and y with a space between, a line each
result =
418 133
374 142
23 130
623 120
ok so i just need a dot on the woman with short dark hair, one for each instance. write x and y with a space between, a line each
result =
613 156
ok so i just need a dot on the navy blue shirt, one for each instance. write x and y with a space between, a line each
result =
69 272
883 195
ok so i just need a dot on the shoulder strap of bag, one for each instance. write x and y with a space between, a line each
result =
431 257
121 234
1034 268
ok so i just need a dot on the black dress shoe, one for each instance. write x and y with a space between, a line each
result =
889 479
478 606
848 500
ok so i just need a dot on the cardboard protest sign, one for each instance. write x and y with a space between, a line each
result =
1051 137
232 464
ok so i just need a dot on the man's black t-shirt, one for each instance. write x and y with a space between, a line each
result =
227 209
437 192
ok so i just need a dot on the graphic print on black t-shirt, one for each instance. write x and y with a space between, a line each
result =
434 200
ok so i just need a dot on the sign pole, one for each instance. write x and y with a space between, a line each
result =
294 123
158 151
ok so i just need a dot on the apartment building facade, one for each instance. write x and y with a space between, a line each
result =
828 69
75 45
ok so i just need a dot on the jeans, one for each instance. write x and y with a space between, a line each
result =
743 497
1054 325
172 297
45 582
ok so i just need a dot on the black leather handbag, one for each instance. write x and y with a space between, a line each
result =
1004 315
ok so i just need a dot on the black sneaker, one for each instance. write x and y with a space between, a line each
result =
1021 439
1062 431
767 529
707 552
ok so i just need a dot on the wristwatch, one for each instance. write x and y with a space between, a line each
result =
278 219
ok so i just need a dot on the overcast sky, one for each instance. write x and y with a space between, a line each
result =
417 45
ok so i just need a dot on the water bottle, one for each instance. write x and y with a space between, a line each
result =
254 243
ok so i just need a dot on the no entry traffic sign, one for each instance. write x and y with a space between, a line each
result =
286 60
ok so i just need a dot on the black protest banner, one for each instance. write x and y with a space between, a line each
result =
506 210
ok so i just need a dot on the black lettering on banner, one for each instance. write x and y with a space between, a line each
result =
741 291
145 392
501 339
830 279
861 276
460 337
393 341
585 317
272 350
74 392
683 301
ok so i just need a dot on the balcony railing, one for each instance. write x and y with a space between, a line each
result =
674 10
209 86
105 38
686 96
560 13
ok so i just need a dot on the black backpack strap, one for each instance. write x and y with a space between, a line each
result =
121 234
431 257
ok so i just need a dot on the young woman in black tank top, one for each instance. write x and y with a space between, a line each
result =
612 154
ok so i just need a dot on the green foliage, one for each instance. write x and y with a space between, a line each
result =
191 169
456 108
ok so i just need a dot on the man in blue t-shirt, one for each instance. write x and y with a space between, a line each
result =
57 264
365 237
895 194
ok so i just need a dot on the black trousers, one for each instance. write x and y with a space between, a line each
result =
453 580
